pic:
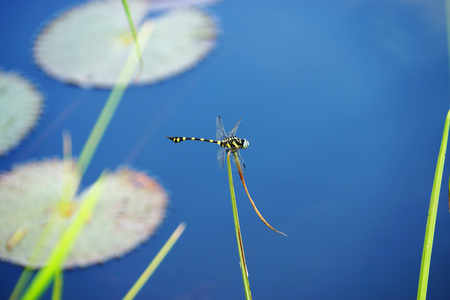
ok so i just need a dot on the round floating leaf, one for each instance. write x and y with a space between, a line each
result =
168 4
130 208
20 108
88 45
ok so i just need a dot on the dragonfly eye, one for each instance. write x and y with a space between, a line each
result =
246 144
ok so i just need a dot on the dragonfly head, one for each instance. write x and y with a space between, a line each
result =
245 144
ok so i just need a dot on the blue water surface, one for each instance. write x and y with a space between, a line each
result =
343 103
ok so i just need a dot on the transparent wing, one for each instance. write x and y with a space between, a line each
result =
233 131
221 153
221 156
237 156
220 132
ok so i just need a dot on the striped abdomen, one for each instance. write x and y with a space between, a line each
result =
177 139
233 143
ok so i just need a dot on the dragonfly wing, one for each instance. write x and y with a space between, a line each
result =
233 131
238 158
221 156
220 132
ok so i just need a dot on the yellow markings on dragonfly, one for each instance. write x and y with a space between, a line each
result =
227 142
15 238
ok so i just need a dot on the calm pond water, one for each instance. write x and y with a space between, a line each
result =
343 105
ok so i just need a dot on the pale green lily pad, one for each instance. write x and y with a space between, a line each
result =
129 210
20 108
169 4
88 45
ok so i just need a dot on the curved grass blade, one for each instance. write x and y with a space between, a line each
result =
248 294
62 249
155 262
432 212
250 198
67 155
69 190
21 284
135 39
112 102
58 285
27 273
91 146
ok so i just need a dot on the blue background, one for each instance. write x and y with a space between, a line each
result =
343 103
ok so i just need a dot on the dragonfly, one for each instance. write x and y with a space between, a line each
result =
227 142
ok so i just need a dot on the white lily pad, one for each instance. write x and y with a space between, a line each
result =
88 45
169 4
20 108
130 208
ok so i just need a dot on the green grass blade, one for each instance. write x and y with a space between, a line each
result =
54 264
57 286
155 262
37 253
133 33
69 190
432 212
248 294
21 283
112 102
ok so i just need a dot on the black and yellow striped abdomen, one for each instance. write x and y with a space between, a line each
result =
178 139
232 143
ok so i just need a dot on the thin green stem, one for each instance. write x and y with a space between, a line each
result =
111 104
21 283
155 262
248 294
432 213
69 188
58 285
41 280
133 33
56 260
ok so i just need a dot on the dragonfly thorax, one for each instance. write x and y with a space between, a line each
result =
234 143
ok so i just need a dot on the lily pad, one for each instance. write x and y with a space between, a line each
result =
168 4
20 108
129 210
88 45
